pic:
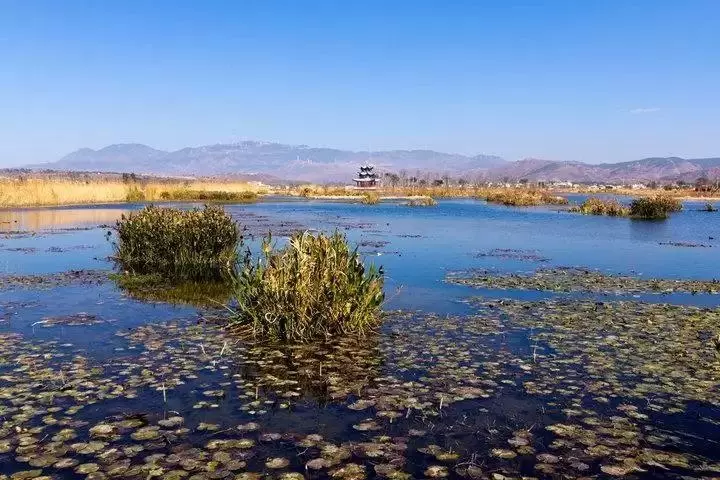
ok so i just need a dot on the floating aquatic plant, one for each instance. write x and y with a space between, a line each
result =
52 280
569 279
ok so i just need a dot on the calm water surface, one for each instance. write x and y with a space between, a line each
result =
417 248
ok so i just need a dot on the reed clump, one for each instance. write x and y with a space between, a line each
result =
178 245
315 287
598 206
135 194
371 198
209 196
654 208
311 191
421 202
523 198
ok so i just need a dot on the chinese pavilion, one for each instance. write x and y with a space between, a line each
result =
366 178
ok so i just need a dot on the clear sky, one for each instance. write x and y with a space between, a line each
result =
587 80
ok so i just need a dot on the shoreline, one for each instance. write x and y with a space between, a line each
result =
389 197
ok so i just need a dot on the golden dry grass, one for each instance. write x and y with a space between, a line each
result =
39 192
508 196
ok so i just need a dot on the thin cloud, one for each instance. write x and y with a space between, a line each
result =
640 111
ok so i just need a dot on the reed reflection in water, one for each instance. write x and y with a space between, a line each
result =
53 218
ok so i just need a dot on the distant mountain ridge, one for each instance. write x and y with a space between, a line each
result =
299 162
662 169
304 163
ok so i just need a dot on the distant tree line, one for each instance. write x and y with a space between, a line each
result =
405 179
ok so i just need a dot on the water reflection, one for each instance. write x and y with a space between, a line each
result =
57 218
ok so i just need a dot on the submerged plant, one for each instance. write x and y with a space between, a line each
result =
178 245
598 206
654 208
317 286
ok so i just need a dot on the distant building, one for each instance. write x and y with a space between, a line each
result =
367 178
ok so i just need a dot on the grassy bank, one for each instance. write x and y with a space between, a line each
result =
59 191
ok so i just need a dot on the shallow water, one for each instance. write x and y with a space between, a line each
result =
425 356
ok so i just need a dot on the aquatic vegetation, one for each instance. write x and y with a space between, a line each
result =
598 206
709 207
209 195
78 319
370 198
686 244
654 208
620 373
179 245
421 202
316 286
523 198
514 254
421 397
581 280
51 280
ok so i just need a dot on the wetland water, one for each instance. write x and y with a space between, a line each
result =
521 377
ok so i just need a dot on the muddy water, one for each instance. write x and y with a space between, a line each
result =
516 383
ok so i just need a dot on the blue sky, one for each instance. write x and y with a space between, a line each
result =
587 80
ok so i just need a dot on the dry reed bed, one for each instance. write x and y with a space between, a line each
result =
42 192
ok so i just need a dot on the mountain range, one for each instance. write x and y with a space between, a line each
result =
304 163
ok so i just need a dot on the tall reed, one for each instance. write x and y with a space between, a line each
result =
654 208
179 245
315 287
523 198
67 191
598 206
